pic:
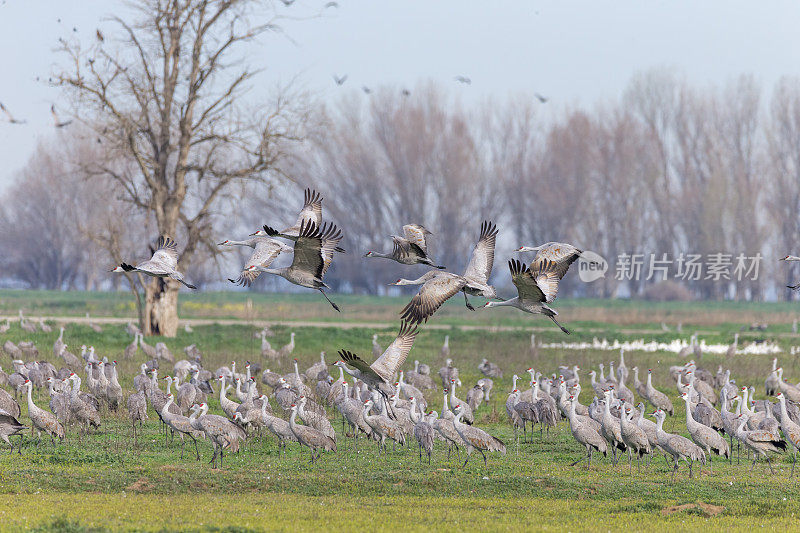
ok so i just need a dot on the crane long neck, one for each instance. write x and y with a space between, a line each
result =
31 406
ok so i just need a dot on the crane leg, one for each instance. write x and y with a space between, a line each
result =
484 457
465 461
466 301
674 469
196 452
329 301
754 461
794 462
770 466
691 464
730 457
589 464
711 462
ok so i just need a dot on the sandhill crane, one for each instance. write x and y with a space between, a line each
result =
315 419
287 349
223 434
149 350
771 385
623 368
132 348
9 425
791 431
181 424
678 446
318 370
419 380
760 442
445 351
475 438
383 427
534 289
278 427
609 428
353 413
5 326
634 437
409 390
379 375
137 410
59 343
163 263
475 397
479 269
376 348
792 258
705 437
229 407
411 249
490 370
622 390
448 372
658 399
310 437
313 253
423 430
265 251
437 287
9 404
84 413
733 347
585 434
267 351
468 416
43 420
514 417
650 429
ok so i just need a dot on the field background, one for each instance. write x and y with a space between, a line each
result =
106 481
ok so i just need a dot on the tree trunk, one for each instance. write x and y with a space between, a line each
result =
161 308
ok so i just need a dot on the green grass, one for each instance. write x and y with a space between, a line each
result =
106 481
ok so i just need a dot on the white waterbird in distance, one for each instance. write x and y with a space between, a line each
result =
535 289
562 254
379 375
313 254
792 258
438 287
163 264
411 249
265 251
311 212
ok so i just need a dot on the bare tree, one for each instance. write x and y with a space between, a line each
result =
167 100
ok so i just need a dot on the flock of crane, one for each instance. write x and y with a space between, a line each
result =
384 402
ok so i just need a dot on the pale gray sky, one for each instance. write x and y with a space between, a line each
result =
571 51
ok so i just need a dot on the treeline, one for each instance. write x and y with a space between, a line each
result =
667 169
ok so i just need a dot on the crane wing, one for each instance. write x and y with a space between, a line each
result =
314 247
395 355
356 362
521 276
433 293
166 252
546 276
266 251
418 235
311 212
480 265
562 254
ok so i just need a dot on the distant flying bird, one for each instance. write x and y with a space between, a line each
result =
56 122
100 36
287 3
406 92
340 80
74 29
542 99
787 258
463 79
366 89
9 116
163 264
331 4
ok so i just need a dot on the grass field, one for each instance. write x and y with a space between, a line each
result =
105 481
